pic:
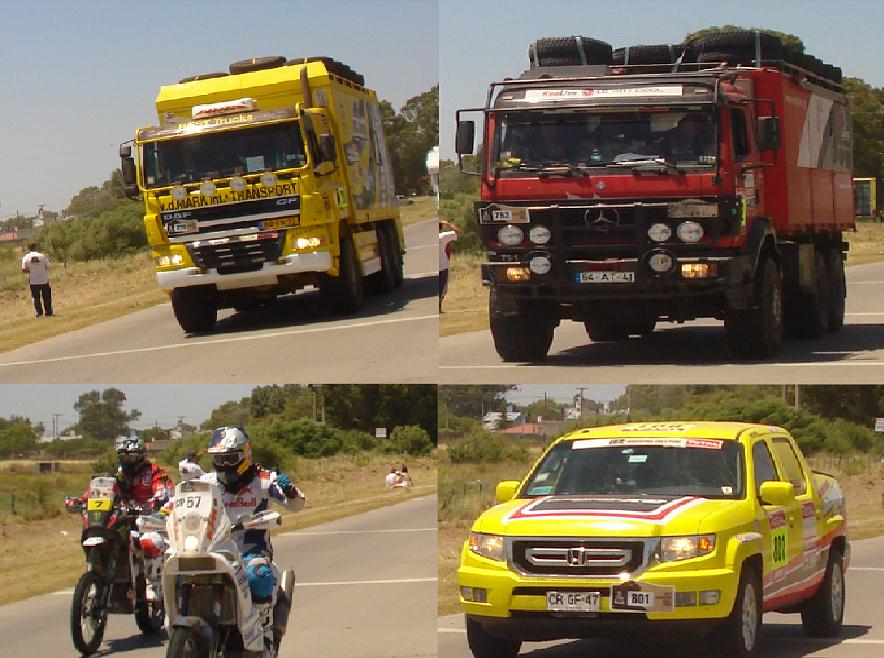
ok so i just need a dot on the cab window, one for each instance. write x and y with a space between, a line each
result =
765 471
739 134
790 464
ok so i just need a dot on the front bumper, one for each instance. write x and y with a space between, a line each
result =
516 605
317 261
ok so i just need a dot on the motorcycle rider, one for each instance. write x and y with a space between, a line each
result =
142 483
247 489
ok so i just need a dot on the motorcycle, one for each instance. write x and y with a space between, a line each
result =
115 579
207 590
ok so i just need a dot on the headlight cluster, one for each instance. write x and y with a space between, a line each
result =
686 232
166 260
490 546
511 235
673 549
308 243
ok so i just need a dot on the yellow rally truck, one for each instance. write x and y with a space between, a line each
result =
259 182
691 528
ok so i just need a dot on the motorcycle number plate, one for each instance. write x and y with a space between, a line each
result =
98 504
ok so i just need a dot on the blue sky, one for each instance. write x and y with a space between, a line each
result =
487 41
78 77
158 404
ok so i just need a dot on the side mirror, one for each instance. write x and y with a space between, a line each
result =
127 167
777 493
768 133
125 151
505 491
466 136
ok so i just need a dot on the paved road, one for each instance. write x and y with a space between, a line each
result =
783 637
296 340
694 352
366 589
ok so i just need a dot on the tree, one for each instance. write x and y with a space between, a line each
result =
410 135
102 415
473 400
17 437
367 406
230 413
867 111
786 38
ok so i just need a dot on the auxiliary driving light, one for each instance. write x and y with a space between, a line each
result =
540 264
510 235
539 234
659 232
179 193
518 274
689 232
237 183
207 188
710 597
684 599
474 594
660 262
268 179
307 243
699 270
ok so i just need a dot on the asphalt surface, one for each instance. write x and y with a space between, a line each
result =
295 340
694 352
782 635
366 588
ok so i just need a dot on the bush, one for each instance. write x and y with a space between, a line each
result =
459 211
409 439
357 441
483 447
303 437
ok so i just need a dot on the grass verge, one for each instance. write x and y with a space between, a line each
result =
466 305
462 499
43 556
424 207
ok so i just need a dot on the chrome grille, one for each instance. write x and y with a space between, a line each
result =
579 556
235 255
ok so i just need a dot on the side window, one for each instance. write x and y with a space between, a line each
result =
791 466
763 465
739 134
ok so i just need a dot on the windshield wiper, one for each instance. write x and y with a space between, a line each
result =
562 169
647 164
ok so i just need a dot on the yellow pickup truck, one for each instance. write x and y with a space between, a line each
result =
678 527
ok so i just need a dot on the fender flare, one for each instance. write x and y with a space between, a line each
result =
741 547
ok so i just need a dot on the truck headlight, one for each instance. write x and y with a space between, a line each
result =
510 235
659 232
684 548
490 546
690 232
207 188
165 261
540 264
539 234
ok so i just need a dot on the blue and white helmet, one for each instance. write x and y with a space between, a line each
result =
231 453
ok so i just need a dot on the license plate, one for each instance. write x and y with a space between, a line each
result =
605 277
283 222
572 601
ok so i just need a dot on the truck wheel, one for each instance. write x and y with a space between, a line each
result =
837 289
808 315
345 293
484 645
739 634
521 332
385 280
823 613
195 308
600 330
758 332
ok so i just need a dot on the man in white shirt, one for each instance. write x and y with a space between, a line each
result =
392 478
36 266
189 468
447 234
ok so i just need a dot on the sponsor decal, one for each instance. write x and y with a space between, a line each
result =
540 95
707 444
229 196
654 510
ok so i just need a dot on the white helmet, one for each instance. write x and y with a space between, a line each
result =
231 453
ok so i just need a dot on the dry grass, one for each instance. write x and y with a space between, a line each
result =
45 556
466 304
867 244
83 294
424 207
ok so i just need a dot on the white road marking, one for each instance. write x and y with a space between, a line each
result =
865 568
218 341
64 592
865 283
812 364
353 532
368 582
421 275
452 630
422 246
865 314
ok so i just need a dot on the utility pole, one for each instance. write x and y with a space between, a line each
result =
55 418
797 396
581 389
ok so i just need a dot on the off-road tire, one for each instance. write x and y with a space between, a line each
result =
384 281
663 53
87 646
565 51
186 643
735 57
399 257
485 645
203 76
758 332
344 293
837 289
823 614
256 64
195 308
731 40
738 636
149 615
520 332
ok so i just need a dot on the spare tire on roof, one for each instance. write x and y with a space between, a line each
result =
333 66
642 54
739 42
256 64
735 57
202 76
568 51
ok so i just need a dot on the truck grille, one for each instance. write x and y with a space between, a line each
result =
234 255
574 557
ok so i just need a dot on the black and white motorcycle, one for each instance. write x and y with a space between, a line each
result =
208 600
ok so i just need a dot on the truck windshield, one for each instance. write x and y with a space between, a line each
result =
595 467
192 158
531 140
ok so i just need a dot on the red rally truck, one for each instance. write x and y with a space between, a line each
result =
622 188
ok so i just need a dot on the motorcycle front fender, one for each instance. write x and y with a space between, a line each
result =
204 632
